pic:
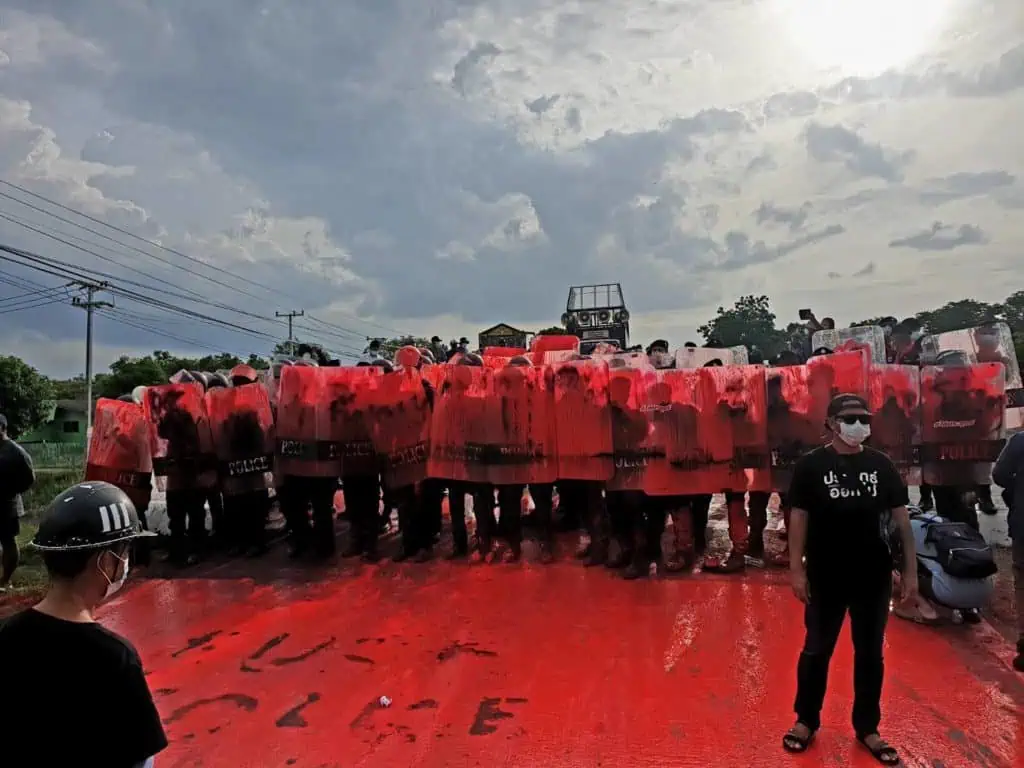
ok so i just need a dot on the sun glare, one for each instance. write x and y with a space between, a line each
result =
862 37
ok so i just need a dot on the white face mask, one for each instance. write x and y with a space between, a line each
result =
114 586
854 434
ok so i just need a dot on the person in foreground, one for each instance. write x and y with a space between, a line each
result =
844 497
16 477
1008 473
76 692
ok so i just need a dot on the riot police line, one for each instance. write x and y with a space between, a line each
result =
620 440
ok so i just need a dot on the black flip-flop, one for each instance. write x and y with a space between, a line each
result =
796 744
882 752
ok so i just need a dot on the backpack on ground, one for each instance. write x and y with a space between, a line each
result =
937 544
960 550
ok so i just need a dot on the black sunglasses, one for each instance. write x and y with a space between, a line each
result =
856 419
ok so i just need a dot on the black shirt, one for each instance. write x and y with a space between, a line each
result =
848 499
16 477
73 694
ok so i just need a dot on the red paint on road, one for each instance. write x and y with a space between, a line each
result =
534 666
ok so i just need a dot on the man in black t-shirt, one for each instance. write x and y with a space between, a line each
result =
16 477
82 697
844 496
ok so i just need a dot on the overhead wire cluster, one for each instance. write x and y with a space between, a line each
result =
179 305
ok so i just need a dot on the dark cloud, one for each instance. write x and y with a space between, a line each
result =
380 135
794 218
839 144
792 104
958 186
942 237
740 251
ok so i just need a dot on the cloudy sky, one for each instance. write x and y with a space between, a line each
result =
437 166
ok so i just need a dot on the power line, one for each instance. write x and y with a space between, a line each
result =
97 273
63 238
122 317
52 265
38 293
164 248
36 305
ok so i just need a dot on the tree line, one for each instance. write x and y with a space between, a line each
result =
26 395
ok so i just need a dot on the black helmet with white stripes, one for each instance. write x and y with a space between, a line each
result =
89 515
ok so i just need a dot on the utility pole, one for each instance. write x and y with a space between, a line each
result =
89 305
291 316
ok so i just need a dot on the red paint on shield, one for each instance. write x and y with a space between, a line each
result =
535 666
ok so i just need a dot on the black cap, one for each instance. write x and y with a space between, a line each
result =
434 339
659 344
89 515
3 421
847 402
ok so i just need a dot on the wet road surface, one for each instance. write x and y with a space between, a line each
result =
525 665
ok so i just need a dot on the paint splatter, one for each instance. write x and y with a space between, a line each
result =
451 651
286 660
240 700
424 704
358 659
486 714
196 642
293 717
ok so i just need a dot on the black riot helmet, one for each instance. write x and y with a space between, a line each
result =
201 377
384 364
216 380
183 377
89 515
471 358
519 361
127 398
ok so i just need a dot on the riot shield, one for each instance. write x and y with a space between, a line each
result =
991 343
623 360
583 428
837 374
181 442
494 362
505 352
895 400
351 394
848 339
796 417
962 427
551 349
119 450
733 428
303 445
459 427
698 357
673 405
520 447
632 446
243 436
401 434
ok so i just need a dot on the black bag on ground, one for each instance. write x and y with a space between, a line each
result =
960 550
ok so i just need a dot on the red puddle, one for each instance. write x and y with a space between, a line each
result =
531 666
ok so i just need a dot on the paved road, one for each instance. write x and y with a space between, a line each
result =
527 666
